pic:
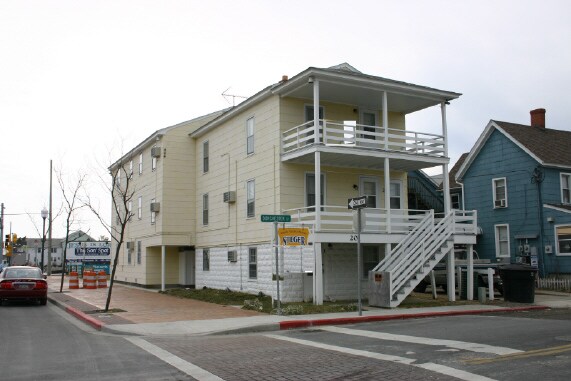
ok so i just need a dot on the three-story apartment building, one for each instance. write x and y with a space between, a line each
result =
300 147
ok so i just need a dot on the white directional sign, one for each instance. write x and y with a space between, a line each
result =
357 202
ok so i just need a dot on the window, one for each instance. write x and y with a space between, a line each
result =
205 260
369 119
565 188
395 195
205 209
205 153
131 168
153 214
310 191
129 251
54 250
371 258
368 187
309 113
455 201
502 240
563 237
250 136
39 250
130 207
118 179
139 252
140 164
500 193
251 199
140 208
253 263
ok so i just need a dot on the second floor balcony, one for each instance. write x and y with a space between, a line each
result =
351 144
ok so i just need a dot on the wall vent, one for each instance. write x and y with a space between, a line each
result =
155 207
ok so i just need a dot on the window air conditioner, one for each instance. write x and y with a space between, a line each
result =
501 203
229 197
156 152
155 207
232 256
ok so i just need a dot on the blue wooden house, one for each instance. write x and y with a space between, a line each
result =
518 178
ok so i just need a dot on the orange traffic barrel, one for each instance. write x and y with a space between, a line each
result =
89 280
102 279
73 280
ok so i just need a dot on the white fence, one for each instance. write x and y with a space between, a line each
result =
554 284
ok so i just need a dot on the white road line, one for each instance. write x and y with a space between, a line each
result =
460 374
467 346
182 365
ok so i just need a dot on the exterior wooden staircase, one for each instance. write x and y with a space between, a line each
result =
396 276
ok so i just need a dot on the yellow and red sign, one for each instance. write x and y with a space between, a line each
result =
293 236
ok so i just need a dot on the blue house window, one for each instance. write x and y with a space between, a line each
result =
565 188
500 193
563 236
502 240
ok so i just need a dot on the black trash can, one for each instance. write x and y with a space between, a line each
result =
518 282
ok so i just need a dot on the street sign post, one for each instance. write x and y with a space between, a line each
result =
358 203
276 218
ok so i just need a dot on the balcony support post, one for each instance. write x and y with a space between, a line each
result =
445 179
316 110
387 170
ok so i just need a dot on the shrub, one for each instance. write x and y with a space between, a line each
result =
254 305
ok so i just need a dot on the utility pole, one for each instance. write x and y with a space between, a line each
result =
2 230
50 228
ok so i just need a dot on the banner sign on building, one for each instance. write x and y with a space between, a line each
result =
293 236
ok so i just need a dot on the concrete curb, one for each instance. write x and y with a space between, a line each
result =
293 324
95 323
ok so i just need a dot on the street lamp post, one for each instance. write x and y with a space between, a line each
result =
44 216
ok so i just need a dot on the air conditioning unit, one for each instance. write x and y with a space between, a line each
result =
229 197
232 256
155 207
156 152
130 245
501 203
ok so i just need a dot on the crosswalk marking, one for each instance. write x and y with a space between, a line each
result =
467 346
442 369
182 365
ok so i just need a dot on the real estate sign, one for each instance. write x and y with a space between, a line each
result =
293 236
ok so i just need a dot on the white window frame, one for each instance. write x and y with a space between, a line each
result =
139 252
131 167
153 214
205 156
497 240
305 190
377 195
205 209
400 195
141 163
252 263
129 255
458 201
498 203
565 179
251 198
250 126
558 247
205 259
140 208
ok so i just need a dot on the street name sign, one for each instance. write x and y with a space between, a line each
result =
357 202
276 218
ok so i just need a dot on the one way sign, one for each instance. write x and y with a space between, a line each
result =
357 202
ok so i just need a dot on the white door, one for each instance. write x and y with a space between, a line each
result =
186 268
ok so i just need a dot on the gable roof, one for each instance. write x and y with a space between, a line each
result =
454 171
337 84
549 147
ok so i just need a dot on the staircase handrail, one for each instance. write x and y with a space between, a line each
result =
426 225
422 253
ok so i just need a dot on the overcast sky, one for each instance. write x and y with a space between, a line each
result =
80 79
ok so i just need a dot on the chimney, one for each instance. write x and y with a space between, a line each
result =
284 78
538 117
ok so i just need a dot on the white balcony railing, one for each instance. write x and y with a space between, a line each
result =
334 133
378 220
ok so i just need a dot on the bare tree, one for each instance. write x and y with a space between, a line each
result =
71 206
122 193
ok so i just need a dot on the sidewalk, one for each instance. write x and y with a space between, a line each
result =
138 311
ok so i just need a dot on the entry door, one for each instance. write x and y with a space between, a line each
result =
186 268
369 119
369 186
